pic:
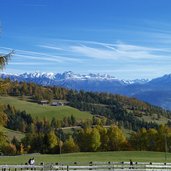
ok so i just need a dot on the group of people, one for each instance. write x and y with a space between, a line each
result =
31 161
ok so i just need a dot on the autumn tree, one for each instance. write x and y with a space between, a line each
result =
163 133
104 139
9 149
94 140
3 140
70 146
89 139
116 138
53 142
152 139
3 116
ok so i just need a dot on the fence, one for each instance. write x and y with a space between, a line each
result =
98 166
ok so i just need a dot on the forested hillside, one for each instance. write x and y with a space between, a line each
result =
103 132
127 112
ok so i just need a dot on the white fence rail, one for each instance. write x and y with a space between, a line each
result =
92 166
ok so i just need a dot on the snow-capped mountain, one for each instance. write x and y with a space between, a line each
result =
89 82
156 91
69 75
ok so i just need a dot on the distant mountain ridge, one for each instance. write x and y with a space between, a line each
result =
156 91
69 75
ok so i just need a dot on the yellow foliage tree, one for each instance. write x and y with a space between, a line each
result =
70 146
116 138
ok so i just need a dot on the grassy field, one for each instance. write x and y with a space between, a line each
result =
40 111
152 118
87 157
11 133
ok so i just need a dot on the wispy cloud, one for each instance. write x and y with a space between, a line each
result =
5 50
44 56
118 51
51 47
37 58
26 63
115 51
117 58
79 50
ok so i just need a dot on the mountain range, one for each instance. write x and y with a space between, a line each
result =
156 91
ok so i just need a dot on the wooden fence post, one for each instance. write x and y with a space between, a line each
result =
42 164
90 164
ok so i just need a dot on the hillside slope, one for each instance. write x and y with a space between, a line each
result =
128 112
41 112
149 91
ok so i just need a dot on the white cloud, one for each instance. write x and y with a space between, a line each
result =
117 51
44 56
116 58
37 58
100 50
51 47
26 63
92 52
5 50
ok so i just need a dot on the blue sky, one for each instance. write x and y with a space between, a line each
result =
125 38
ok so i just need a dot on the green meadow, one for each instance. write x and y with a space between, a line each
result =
116 156
40 111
